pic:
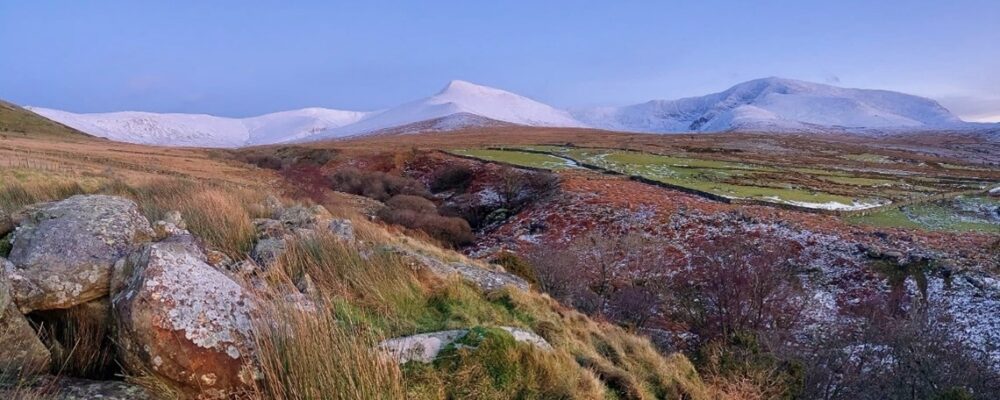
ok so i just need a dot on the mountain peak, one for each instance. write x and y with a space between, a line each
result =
461 87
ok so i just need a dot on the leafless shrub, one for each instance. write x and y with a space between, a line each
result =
376 185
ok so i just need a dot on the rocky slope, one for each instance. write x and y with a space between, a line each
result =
190 322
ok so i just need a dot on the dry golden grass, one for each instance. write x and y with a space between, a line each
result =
366 292
314 355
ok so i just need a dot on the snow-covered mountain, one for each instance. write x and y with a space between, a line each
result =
776 104
456 103
204 130
768 105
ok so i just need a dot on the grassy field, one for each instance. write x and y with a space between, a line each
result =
965 214
849 186
520 158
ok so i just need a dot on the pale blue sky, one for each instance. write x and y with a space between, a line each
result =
243 58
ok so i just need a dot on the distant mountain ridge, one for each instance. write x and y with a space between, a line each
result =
764 105
777 104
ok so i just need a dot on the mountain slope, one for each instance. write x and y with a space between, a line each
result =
764 105
462 98
19 121
776 104
202 129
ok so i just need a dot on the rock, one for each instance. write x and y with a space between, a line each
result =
174 217
422 348
267 228
272 203
218 259
184 321
296 217
425 347
267 251
995 192
529 337
486 279
65 388
343 229
63 252
21 351
306 286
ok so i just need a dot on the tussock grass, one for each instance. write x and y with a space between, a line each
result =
79 340
315 355
221 216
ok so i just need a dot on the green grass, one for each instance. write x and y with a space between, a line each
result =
519 158
867 157
859 181
710 176
954 215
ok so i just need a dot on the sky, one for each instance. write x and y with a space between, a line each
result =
244 58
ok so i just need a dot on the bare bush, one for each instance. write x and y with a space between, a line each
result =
376 185
418 213
451 177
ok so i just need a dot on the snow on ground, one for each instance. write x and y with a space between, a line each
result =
770 104
460 97
204 130
831 205
776 104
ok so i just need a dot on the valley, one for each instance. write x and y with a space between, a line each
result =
614 236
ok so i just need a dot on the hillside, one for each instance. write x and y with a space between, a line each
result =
762 105
782 105
204 130
270 283
15 120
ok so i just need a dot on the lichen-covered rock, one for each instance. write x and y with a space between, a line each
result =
21 351
184 321
296 216
267 250
174 217
289 223
486 279
342 229
63 251
425 347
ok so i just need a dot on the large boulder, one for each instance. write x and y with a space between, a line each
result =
62 252
183 320
21 351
